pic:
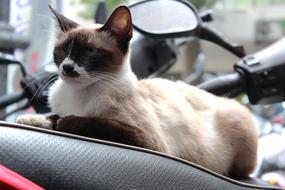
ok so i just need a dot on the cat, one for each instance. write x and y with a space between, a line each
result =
97 95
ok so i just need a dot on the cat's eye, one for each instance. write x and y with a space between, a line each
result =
101 52
91 50
96 52
59 54
70 45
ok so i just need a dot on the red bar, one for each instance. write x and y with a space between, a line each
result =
10 180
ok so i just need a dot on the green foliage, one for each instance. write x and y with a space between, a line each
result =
90 7
206 4
203 3
111 4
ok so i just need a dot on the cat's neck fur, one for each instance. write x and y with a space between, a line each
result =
124 85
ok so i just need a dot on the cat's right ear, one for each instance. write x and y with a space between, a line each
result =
119 25
64 23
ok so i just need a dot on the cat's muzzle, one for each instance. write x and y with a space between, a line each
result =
68 71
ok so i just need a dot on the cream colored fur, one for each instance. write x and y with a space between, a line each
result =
185 121
181 120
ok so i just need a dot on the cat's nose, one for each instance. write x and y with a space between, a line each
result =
68 68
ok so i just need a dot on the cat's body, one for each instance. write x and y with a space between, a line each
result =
159 114
179 119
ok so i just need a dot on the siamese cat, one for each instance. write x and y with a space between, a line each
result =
97 95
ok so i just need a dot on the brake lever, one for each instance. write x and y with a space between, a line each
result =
212 36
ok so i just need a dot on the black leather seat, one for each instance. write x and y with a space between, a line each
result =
57 160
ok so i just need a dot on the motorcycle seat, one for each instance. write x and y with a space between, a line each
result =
56 160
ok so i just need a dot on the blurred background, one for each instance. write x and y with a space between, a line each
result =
28 32
252 23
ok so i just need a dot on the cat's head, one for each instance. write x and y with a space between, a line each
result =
87 54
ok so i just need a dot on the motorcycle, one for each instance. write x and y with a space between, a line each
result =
259 75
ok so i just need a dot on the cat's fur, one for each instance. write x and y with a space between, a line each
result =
102 98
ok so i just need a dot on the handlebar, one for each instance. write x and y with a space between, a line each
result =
9 99
260 76
272 55
225 84
7 59
264 74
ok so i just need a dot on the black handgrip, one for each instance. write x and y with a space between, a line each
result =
264 74
10 99
225 84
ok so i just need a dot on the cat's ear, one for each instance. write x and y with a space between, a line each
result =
120 24
64 23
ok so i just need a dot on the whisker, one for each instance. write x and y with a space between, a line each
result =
106 78
105 75
115 86
49 82
37 79
46 80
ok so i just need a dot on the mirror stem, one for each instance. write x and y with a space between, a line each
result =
212 36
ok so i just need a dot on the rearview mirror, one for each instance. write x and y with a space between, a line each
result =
175 18
156 18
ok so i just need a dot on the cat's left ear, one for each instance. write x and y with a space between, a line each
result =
120 24
64 23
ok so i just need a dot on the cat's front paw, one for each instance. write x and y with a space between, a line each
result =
35 120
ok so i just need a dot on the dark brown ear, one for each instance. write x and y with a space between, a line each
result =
119 24
64 23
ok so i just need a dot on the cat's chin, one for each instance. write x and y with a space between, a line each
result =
70 80
76 82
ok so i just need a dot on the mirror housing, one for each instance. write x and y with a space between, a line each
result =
153 18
